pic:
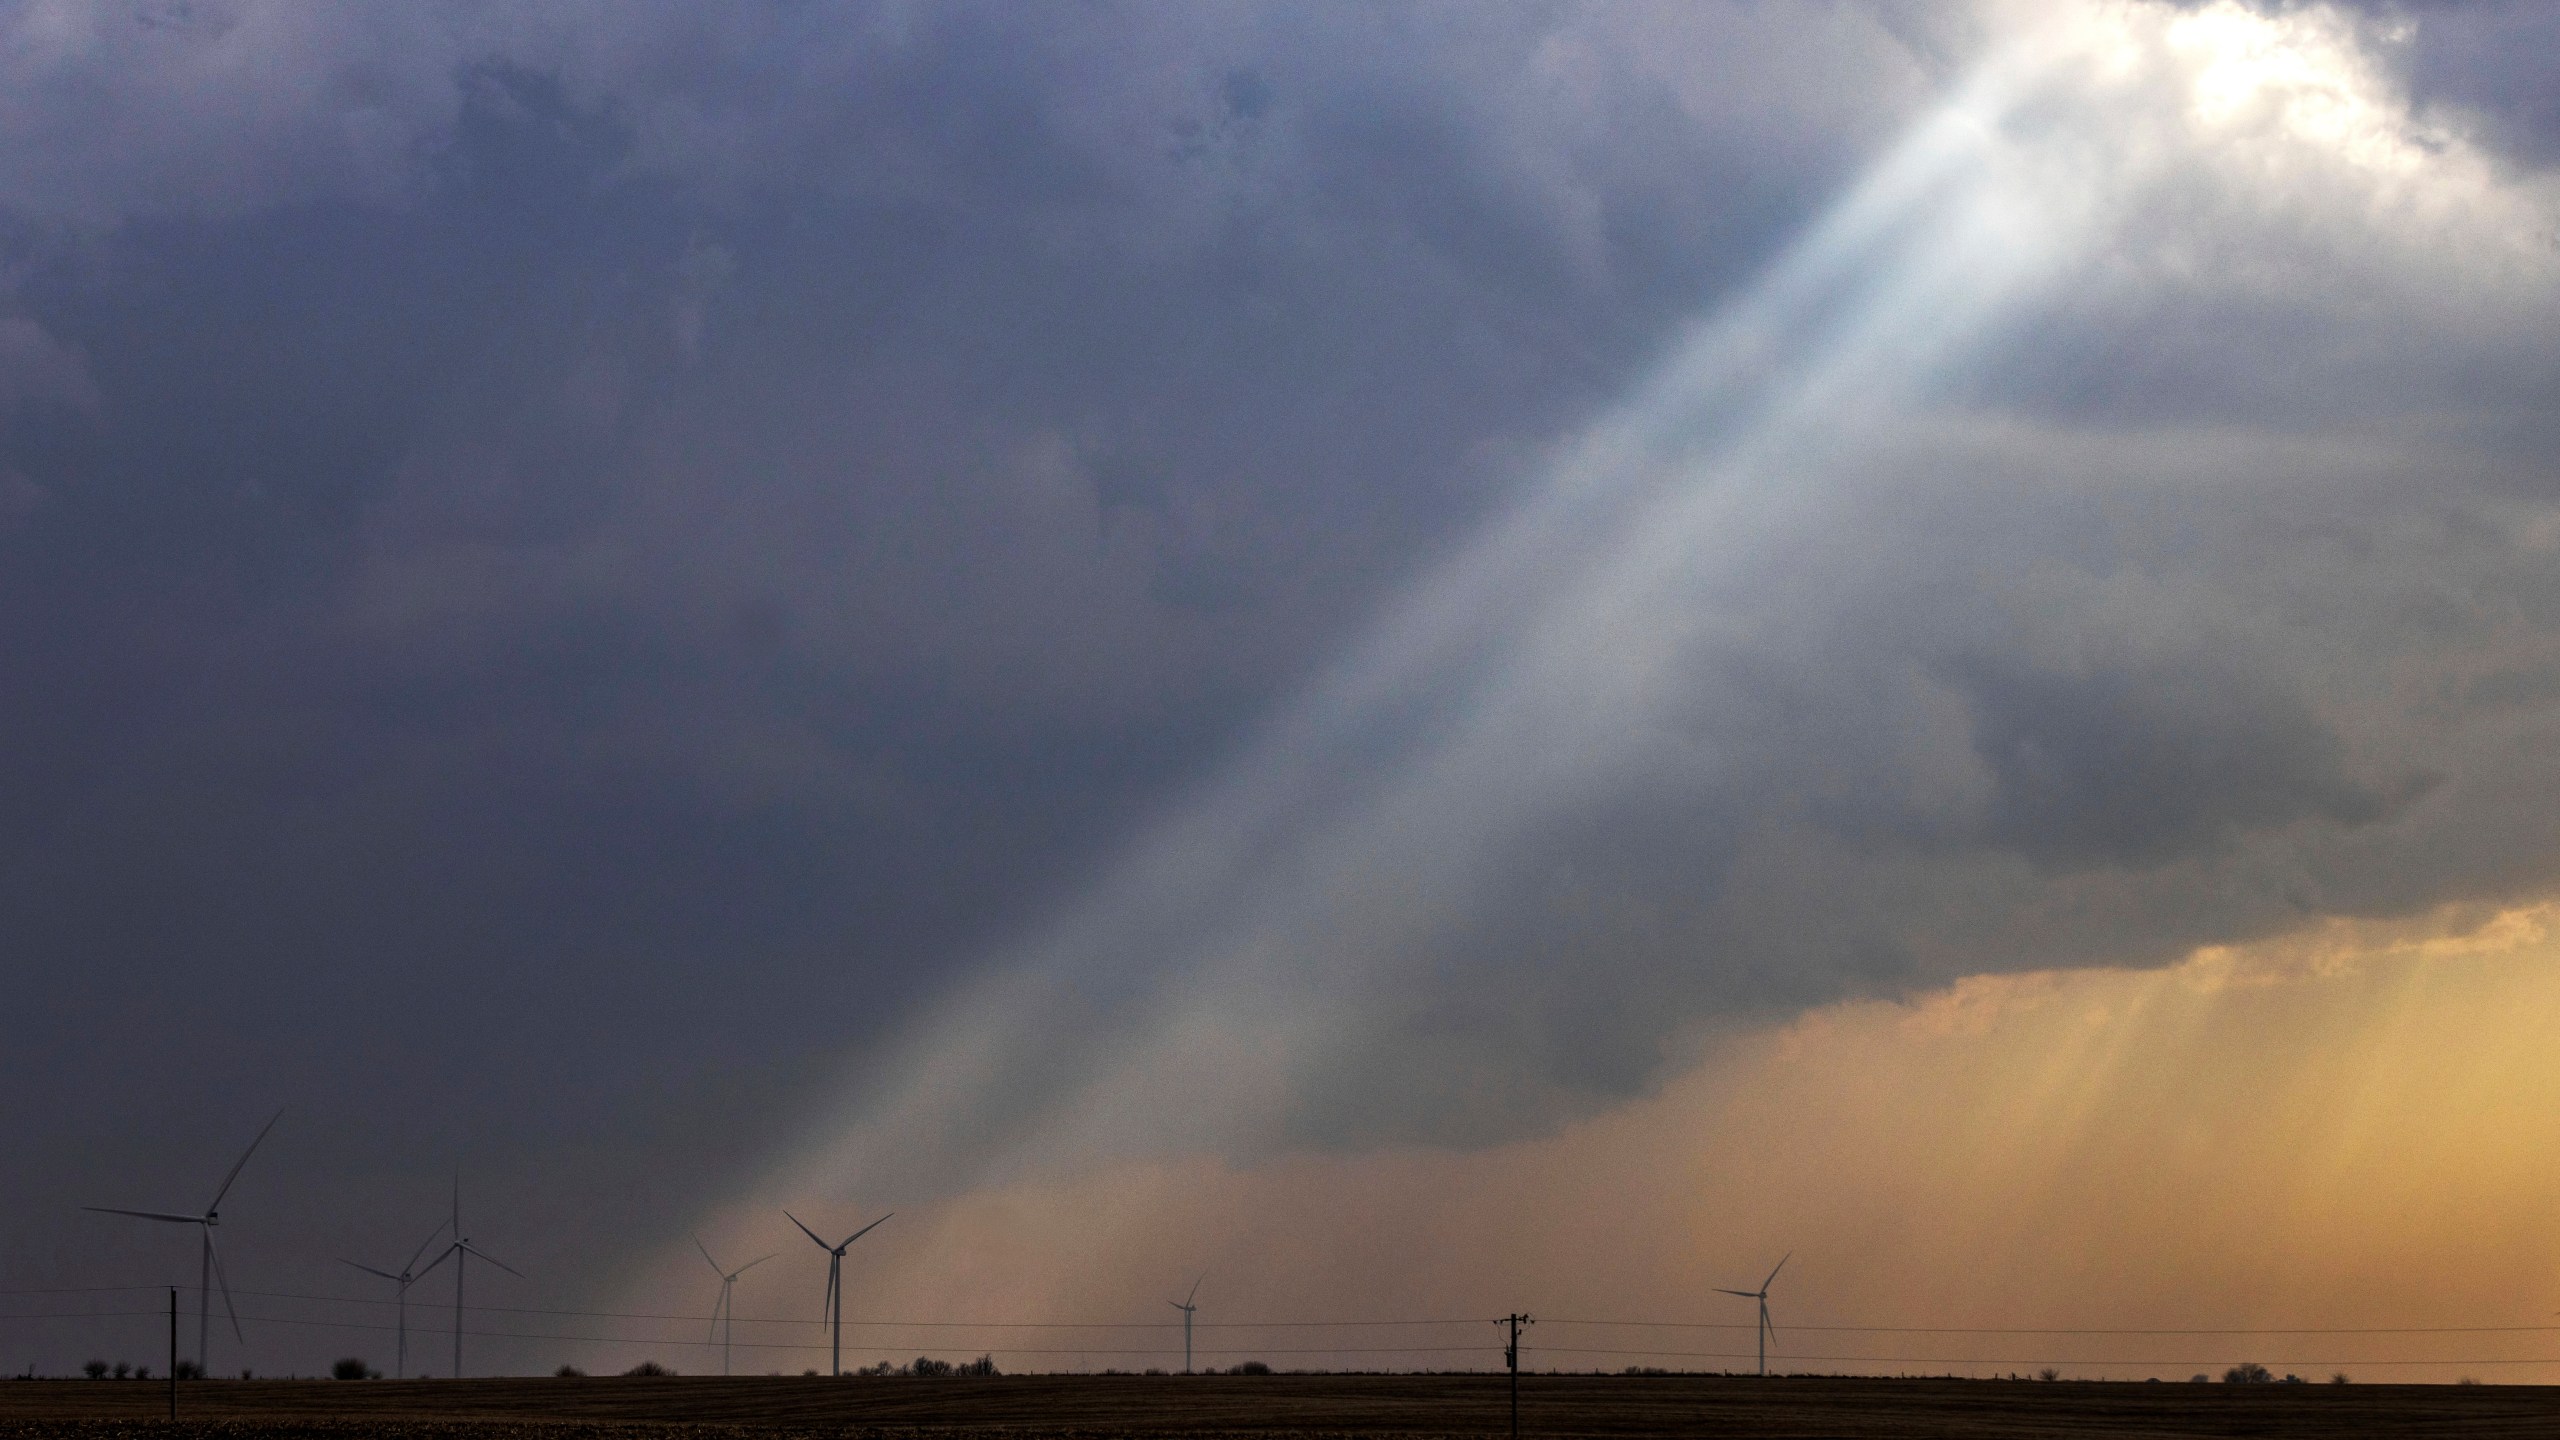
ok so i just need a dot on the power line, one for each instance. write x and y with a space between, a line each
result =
695 1317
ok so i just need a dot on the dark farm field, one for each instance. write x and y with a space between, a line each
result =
1032 1407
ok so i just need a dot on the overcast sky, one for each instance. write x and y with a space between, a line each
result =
688 609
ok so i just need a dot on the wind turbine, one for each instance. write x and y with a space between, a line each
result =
209 1263
1762 1295
462 1250
409 1274
724 1312
1186 1307
835 1281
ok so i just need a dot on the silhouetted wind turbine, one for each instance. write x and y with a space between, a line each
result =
461 1250
1762 1295
209 1264
724 1312
1186 1307
835 1282
409 1274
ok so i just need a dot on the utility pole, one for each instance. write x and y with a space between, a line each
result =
1511 1359
173 1353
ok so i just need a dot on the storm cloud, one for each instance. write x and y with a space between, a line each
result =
637 600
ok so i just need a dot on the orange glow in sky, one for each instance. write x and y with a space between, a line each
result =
2349 1127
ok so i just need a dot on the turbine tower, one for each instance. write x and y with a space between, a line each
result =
409 1275
835 1282
209 1262
462 1250
1186 1307
724 1316
1762 1295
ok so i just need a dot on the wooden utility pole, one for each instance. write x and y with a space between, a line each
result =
1511 1358
173 1352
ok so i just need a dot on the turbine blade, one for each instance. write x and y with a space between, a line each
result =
441 1256
805 1230
477 1253
244 1160
867 1229
369 1270
223 1281
706 1255
1745 1294
147 1214
412 1266
1195 1290
750 1265
1781 1265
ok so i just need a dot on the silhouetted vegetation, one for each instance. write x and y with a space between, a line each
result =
569 1372
648 1368
190 1370
352 1368
1249 1367
2247 1373
95 1369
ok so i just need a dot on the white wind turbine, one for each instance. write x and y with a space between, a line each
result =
462 1250
724 1316
1762 1295
209 1263
409 1275
835 1282
1187 1308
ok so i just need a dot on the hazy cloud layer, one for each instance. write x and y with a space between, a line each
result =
571 573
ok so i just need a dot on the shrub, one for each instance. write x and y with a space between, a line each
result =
1249 1367
648 1368
569 1372
95 1369
2247 1373
190 1370
881 1369
983 1365
123 1369
141 1372
928 1368
2338 1379
2048 1373
350 1368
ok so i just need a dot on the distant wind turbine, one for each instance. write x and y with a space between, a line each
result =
724 1317
1186 1307
409 1275
460 1251
1762 1295
835 1282
209 1263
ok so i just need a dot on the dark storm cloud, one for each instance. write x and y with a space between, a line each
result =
568 574
564 568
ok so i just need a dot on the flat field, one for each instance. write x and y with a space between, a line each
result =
1036 1407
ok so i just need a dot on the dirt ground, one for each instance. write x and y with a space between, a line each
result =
1037 1407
